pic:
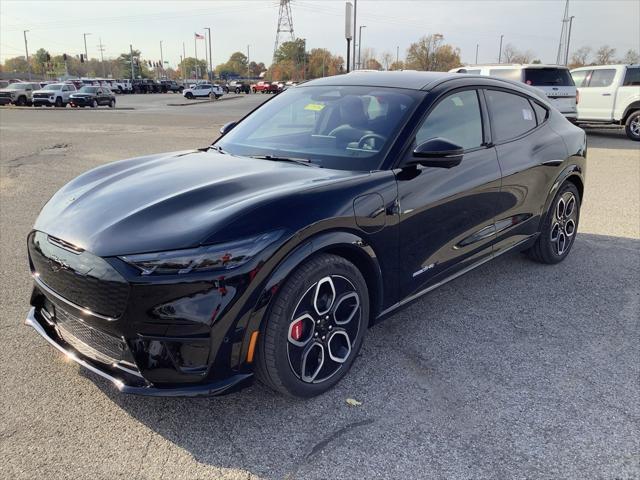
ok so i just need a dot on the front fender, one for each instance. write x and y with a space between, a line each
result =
344 243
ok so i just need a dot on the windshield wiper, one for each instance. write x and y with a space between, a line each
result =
276 158
217 148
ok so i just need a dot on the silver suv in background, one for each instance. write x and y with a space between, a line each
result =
610 94
553 80
19 93
55 94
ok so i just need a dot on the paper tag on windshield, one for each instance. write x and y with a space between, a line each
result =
527 114
314 107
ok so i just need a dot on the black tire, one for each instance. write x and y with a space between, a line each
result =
189 96
22 101
254 90
94 103
59 102
274 366
112 103
546 249
632 126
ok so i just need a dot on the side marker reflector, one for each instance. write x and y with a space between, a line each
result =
252 346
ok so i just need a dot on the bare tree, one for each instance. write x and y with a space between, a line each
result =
512 55
605 55
631 57
429 53
387 59
580 57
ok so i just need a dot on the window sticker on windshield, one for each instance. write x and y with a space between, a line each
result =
457 101
527 114
314 107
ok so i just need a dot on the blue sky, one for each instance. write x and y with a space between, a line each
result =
528 25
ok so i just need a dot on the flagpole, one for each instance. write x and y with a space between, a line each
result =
195 47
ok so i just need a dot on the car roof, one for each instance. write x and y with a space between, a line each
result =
602 67
410 79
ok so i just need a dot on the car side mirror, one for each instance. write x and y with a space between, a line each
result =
437 152
227 127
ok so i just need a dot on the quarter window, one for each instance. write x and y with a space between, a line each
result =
511 115
632 78
601 78
541 112
457 118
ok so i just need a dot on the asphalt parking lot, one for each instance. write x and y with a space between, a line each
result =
514 371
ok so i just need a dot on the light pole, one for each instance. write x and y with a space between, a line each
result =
500 51
348 31
86 55
26 51
397 55
566 55
355 24
477 47
209 75
248 69
161 60
360 43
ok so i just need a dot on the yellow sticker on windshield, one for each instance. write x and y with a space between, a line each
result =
314 107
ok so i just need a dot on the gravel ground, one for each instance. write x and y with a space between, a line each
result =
516 370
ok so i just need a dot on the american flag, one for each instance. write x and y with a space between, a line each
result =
199 37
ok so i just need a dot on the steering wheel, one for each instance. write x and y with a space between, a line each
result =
368 136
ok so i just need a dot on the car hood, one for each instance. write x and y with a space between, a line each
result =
169 201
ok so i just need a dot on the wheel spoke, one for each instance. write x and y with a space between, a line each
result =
560 209
555 231
312 362
562 242
569 228
324 296
571 205
339 346
346 308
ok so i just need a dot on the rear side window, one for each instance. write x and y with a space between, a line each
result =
632 78
541 77
601 78
456 118
508 73
579 77
511 115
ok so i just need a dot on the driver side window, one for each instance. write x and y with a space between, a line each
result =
457 118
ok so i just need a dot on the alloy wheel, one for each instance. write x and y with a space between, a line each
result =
323 329
634 126
564 223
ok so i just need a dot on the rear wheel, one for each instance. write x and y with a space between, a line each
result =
559 227
94 104
189 95
632 126
22 101
315 327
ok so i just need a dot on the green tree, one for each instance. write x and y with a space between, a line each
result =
40 59
236 65
430 53
192 68
322 63
255 69
290 61
124 60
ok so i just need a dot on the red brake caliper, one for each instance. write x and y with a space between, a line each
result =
296 330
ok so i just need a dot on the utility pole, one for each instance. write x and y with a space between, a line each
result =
184 58
86 55
210 77
161 60
133 73
348 31
477 47
26 51
500 51
566 56
355 25
563 44
248 69
360 43
101 49
397 55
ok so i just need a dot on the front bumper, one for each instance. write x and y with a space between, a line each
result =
43 101
5 100
126 382
81 102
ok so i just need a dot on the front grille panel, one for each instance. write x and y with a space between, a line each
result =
80 277
40 95
87 340
5 95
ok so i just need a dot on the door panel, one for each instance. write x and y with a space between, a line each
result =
446 217
597 95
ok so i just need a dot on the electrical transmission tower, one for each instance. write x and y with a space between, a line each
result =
285 25
563 46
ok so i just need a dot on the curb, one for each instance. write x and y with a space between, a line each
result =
199 102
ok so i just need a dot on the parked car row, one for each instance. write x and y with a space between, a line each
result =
271 87
58 94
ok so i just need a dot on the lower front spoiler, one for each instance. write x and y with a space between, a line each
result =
216 388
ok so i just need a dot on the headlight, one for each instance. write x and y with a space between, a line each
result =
211 257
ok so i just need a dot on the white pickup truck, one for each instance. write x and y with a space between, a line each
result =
610 95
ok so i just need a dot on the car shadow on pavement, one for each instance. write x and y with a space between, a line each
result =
515 367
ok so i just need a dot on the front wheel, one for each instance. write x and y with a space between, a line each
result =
112 103
632 126
94 104
189 96
59 102
559 228
314 328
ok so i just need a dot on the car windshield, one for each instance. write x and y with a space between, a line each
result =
88 89
54 86
17 86
548 76
345 128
